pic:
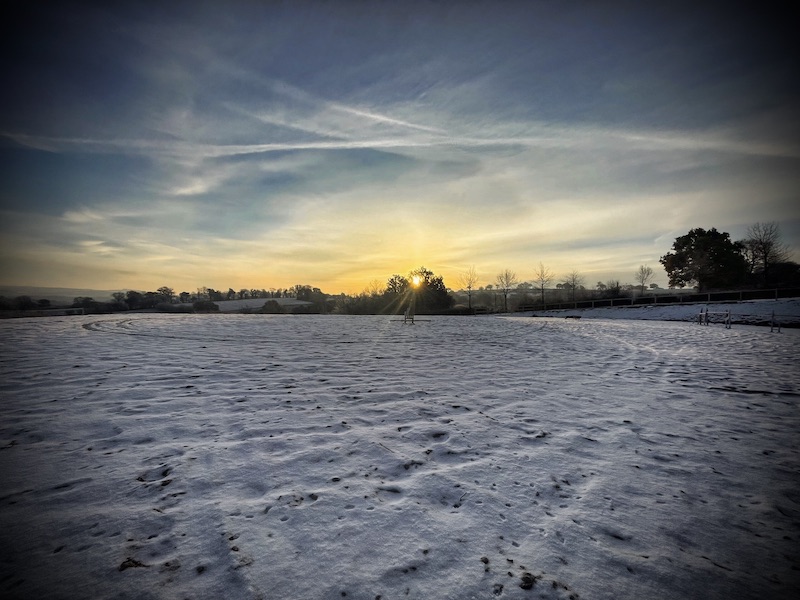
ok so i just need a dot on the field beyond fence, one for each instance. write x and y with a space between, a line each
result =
688 298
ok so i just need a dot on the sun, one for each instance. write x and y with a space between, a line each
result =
415 280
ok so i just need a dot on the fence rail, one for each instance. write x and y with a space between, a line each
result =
689 298
41 312
702 317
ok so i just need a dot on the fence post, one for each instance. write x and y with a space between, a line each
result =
774 324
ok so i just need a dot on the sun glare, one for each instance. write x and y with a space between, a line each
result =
415 281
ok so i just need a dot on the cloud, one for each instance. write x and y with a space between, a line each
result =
267 144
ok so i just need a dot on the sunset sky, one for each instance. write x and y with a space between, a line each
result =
333 144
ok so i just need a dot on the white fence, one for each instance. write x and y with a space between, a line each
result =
706 316
703 317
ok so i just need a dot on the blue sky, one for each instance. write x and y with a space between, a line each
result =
333 144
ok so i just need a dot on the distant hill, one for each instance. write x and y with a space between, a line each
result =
63 296
255 303
56 295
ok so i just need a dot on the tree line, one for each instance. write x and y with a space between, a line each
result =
165 299
707 260
422 290
710 260
704 259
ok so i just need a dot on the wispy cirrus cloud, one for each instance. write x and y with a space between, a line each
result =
321 143
535 136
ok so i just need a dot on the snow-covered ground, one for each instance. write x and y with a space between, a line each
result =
255 456
785 311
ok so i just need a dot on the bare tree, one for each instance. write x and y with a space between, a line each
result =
374 289
643 276
573 281
764 248
542 276
468 279
506 280
613 288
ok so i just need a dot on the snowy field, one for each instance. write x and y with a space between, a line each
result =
785 311
321 457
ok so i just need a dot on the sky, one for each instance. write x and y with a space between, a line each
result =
268 144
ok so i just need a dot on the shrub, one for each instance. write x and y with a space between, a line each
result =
271 307
205 306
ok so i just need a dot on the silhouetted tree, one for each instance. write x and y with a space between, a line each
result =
785 274
215 296
542 277
430 293
151 300
397 285
572 282
374 289
468 280
205 306
89 305
24 303
134 299
643 275
708 259
763 249
271 307
613 288
505 281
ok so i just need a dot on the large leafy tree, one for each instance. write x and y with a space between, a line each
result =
429 290
166 294
421 289
134 299
707 259
397 285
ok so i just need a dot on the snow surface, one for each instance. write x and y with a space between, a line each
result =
785 311
256 456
